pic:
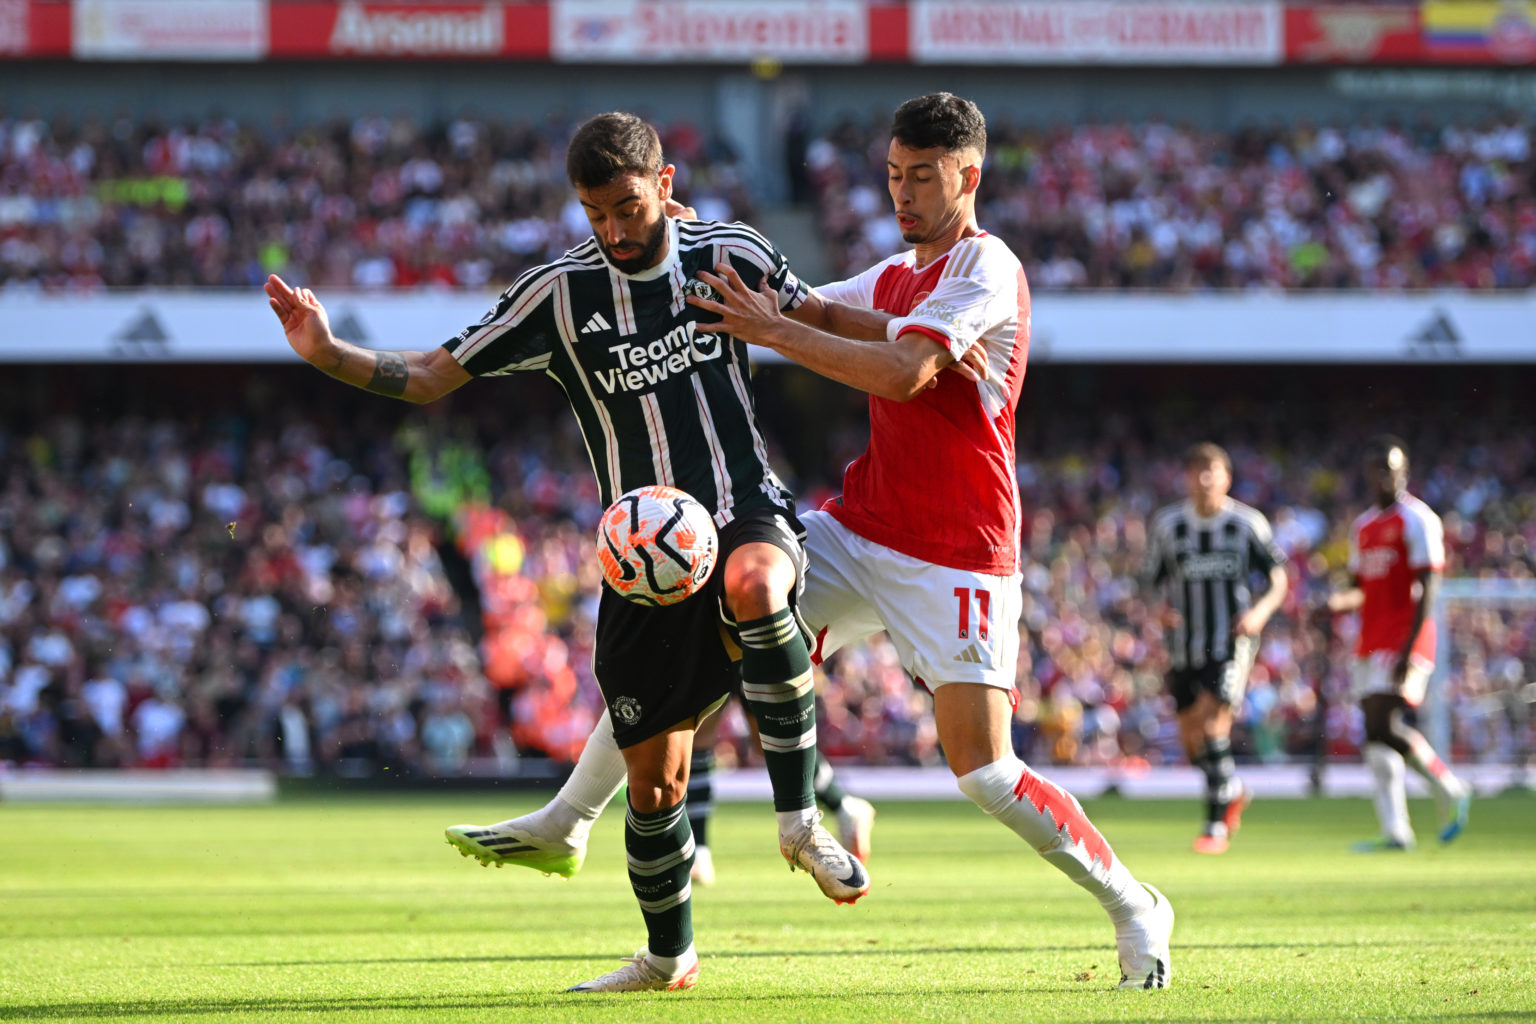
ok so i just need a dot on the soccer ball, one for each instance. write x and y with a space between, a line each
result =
656 545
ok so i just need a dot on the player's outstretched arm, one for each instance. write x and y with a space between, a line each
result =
413 376
841 319
862 324
898 370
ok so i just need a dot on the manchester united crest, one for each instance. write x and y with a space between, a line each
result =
626 710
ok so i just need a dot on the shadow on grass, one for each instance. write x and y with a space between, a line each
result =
287 1008
873 950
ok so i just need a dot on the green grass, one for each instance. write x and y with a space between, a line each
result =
356 910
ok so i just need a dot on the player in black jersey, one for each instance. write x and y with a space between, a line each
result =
658 403
1204 553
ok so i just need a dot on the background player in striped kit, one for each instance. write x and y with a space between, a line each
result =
1204 552
1396 555
924 540
658 403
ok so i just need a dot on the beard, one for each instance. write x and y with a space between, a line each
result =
646 257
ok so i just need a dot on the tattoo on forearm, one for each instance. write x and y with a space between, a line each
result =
390 375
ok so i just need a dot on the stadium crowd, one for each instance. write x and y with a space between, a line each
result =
375 202
370 202
347 586
1164 206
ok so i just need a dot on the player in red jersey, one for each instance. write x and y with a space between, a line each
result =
924 540
1396 555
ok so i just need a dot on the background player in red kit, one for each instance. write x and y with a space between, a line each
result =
1396 554
924 540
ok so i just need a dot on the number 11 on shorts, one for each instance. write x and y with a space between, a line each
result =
983 607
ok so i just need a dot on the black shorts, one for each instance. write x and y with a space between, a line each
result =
1224 680
661 666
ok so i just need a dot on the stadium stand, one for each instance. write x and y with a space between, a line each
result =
375 202
275 574
1295 205
369 203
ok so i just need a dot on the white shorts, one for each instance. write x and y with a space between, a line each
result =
1373 674
948 625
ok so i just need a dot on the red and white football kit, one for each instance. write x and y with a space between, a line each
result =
924 539
1388 548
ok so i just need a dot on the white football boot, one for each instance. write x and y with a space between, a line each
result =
703 870
839 874
639 974
518 841
1143 945
855 822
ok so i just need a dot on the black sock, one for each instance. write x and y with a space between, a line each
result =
776 687
701 794
659 846
828 792
1220 779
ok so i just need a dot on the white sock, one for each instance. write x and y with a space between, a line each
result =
791 822
599 772
1052 822
1389 792
673 965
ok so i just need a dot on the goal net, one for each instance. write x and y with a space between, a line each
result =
1482 694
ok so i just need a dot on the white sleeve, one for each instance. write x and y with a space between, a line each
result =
856 291
1424 537
978 290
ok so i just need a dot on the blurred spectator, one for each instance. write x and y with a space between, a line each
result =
1153 205
370 203
246 574
375 203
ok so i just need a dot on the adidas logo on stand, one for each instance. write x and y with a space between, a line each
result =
596 323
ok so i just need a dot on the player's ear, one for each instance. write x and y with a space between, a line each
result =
664 182
970 178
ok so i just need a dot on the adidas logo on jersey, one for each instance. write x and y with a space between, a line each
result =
971 655
595 324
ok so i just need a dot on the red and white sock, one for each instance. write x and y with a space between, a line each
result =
1052 822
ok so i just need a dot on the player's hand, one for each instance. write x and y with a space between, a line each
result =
747 314
673 208
303 318
973 365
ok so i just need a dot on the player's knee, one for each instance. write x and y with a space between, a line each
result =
648 798
755 592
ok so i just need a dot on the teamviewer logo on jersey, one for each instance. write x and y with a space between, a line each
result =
594 324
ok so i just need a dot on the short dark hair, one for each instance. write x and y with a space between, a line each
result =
1382 445
610 145
940 119
1207 453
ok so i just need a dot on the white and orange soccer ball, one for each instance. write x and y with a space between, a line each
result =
657 545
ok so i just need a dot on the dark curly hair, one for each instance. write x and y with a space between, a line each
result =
610 145
940 119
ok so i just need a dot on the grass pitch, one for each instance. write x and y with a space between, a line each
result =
357 910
